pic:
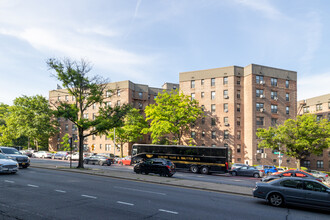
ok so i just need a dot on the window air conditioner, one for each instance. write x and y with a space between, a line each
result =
262 82
226 97
262 96
226 110
261 110
226 124
275 98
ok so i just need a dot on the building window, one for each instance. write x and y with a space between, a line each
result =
108 104
274 160
273 95
140 95
287 83
93 137
73 98
202 94
238 135
225 120
108 94
203 108
260 120
238 82
260 93
100 146
212 121
202 81
318 107
238 107
238 148
225 80
94 106
287 110
203 120
306 109
192 84
226 134
140 105
273 108
212 95
238 159
225 107
238 121
287 97
213 135
213 108
66 98
273 81
203 133
74 127
318 117
328 105
193 135
118 102
259 79
260 107
328 116
238 94
66 127
192 96
274 121
213 82
85 116
118 92
225 94
319 164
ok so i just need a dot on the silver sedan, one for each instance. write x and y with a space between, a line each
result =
294 190
7 165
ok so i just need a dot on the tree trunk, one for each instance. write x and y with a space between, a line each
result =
81 148
298 163
121 150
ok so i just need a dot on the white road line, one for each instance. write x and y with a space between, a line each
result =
138 190
238 180
9 181
60 191
163 210
33 185
91 197
125 203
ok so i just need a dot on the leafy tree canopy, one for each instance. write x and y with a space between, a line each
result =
297 138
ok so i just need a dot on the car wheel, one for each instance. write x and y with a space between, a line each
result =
234 173
170 175
63 158
204 170
256 175
53 157
85 162
275 199
194 169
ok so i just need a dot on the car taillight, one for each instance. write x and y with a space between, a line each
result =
168 167
262 171
226 165
319 180
326 175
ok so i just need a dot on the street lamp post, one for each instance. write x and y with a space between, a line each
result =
70 142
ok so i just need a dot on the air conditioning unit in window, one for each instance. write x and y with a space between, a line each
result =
262 82
226 97
226 110
262 96
261 110
226 124
263 155
259 151
275 98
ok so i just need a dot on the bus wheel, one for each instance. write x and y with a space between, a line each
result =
194 169
205 170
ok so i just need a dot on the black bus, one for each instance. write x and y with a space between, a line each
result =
196 159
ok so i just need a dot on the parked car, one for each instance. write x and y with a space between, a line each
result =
246 171
267 169
319 174
237 165
27 152
42 154
75 156
290 173
8 165
97 160
125 161
108 155
13 153
60 155
294 190
280 169
159 166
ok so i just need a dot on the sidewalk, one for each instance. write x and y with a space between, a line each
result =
191 184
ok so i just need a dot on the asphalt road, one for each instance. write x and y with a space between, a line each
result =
51 194
215 178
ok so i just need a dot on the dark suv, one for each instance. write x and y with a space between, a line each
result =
159 166
14 154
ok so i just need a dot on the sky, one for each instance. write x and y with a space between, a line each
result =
151 41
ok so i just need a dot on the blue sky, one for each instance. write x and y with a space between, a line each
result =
151 41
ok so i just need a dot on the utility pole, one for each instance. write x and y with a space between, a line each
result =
279 156
70 142
114 141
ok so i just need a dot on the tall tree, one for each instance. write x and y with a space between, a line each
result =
86 91
131 129
297 138
30 117
172 114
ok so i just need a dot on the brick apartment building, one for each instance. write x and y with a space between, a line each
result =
117 93
319 106
238 101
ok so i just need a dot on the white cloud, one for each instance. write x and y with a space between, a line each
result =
262 6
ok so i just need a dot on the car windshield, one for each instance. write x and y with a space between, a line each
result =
10 151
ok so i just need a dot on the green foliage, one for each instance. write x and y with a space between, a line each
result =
130 131
298 138
172 114
65 143
86 91
29 117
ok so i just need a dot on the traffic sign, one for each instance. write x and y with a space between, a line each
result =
277 152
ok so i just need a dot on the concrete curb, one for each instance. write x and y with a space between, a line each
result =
177 182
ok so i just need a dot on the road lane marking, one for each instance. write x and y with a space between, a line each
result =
91 197
33 186
163 210
138 190
238 180
125 203
9 181
60 191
